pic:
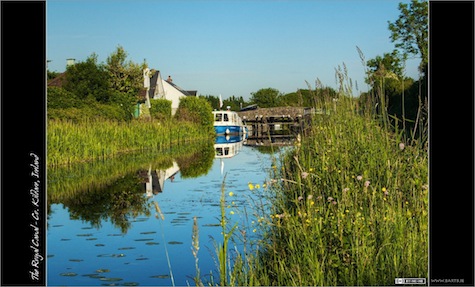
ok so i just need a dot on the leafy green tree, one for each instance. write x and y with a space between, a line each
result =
212 100
410 30
124 76
88 79
266 98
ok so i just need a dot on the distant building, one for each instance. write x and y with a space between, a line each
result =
157 88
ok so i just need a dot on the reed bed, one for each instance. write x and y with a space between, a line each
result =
69 142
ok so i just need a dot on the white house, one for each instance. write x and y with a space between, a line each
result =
158 88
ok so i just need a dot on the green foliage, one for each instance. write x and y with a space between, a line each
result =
266 98
59 98
196 110
307 97
86 79
51 75
161 109
348 206
234 102
86 110
410 31
93 139
124 76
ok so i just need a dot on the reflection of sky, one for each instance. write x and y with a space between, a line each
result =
130 258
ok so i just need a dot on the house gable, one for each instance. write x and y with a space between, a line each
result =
164 89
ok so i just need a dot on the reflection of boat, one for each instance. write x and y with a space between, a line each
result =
228 123
228 146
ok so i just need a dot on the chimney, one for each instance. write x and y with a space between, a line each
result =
70 62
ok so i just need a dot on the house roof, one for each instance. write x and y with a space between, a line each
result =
186 93
58 81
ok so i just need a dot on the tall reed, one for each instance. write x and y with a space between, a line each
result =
351 208
69 142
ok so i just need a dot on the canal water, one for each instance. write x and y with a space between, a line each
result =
129 221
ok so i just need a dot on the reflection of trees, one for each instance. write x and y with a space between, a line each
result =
97 191
196 164
119 201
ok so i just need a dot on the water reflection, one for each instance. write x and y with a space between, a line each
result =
228 146
272 134
113 190
154 180
101 223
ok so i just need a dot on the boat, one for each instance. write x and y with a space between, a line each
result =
227 122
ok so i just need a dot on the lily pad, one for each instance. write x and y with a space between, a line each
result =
92 238
111 255
84 235
148 232
144 239
130 284
68 274
76 260
102 270
152 243
100 245
94 275
111 279
162 276
175 242
142 258
126 248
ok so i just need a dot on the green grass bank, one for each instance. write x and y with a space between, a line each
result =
348 205
71 142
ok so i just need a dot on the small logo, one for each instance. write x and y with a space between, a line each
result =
399 281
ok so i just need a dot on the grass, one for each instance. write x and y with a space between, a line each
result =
70 142
348 205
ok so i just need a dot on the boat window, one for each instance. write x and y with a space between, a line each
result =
226 151
226 119
219 151
218 117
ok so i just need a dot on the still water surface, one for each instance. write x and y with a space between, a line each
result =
113 234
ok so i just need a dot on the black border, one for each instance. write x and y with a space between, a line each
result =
23 129
451 138
451 64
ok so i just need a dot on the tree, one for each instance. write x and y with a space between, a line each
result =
88 79
124 76
410 31
266 98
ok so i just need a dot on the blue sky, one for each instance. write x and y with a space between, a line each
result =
228 47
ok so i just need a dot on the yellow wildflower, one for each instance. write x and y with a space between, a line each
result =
231 193
251 187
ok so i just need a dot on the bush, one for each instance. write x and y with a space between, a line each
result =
161 109
91 110
194 109
59 98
